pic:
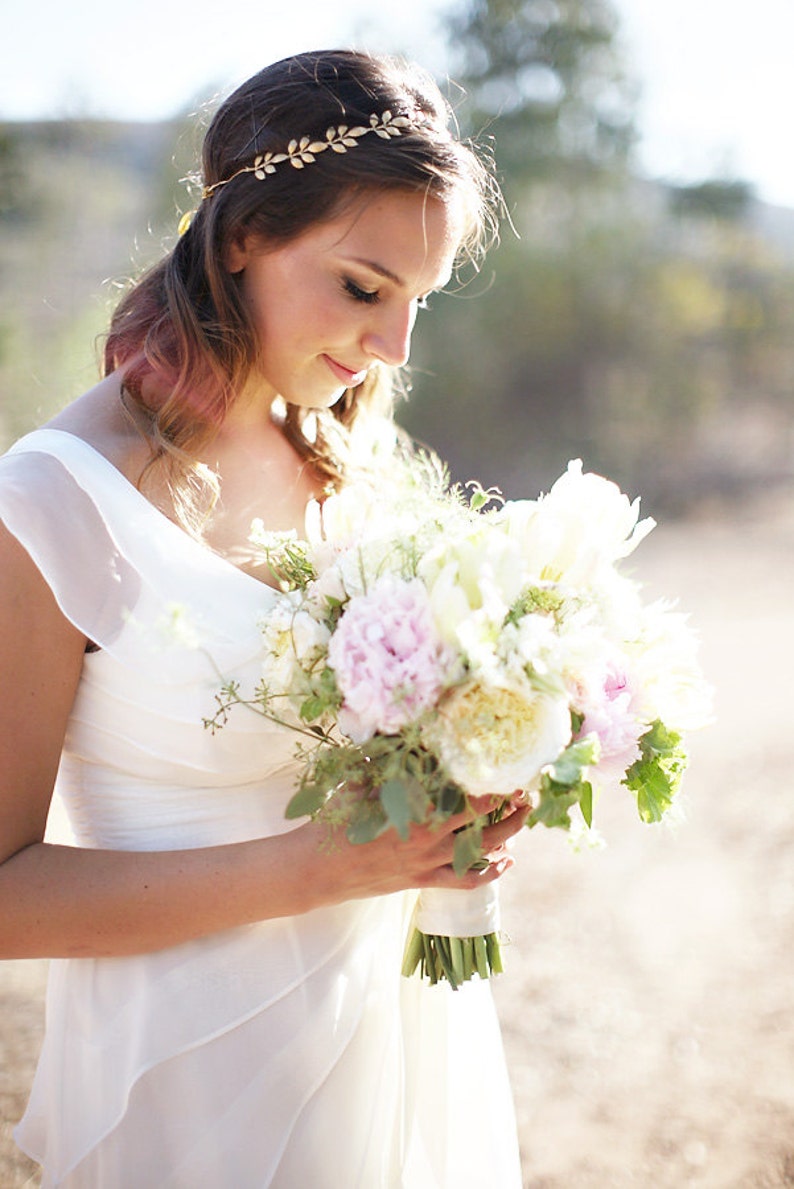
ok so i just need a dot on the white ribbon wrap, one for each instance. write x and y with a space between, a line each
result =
454 912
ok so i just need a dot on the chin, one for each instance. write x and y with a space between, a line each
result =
323 402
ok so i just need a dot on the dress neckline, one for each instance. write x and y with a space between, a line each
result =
140 499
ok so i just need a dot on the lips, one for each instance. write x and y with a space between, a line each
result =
349 378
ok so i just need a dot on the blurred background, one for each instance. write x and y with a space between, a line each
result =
638 314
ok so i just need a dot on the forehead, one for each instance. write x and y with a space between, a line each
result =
412 238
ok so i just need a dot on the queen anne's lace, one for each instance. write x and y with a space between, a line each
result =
303 152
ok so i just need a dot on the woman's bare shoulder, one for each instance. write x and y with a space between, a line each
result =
99 418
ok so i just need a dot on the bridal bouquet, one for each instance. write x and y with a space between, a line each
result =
435 646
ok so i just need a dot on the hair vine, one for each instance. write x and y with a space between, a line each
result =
305 151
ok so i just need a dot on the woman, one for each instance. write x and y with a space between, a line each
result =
226 1009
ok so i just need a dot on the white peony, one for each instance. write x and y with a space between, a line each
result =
493 740
479 570
670 681
576 532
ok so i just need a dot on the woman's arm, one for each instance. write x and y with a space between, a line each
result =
67 901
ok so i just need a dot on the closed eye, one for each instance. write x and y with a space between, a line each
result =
367 296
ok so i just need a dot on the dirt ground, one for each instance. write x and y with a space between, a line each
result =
648 1003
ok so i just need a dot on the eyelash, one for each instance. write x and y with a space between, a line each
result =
365 296
372 297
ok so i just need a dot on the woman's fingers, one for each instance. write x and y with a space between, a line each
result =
425 858
505 828
446 877
478 807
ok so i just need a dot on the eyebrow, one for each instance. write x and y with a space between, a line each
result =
380 269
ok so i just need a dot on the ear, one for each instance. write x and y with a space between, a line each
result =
238 253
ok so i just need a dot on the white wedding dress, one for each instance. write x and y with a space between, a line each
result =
290 1053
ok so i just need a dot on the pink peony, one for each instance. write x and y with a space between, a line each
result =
609 711
388 658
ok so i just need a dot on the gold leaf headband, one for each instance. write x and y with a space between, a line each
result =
303 152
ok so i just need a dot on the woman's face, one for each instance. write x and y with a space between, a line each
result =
344 295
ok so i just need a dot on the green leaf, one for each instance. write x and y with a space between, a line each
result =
313 708
586 802
467 849
553 805
395 799
577 756
656 776
308 800
367 824
449 800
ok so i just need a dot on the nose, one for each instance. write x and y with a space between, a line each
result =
388 338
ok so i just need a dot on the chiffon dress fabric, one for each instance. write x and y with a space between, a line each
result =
288 1053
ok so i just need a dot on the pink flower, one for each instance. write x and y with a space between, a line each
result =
389 660
609 709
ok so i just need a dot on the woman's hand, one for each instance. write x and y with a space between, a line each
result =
389 863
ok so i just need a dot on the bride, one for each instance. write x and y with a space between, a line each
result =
224 1006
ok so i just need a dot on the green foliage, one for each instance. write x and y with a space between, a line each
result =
564 785
77 218
404 802
286 558
14 195
545 79
468 848
616 333
656 776
324 697
717 199
535 600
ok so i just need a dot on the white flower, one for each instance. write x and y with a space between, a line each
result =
582 527
670 681
476 570
337 523
532 643
327 587
309 638
494 740
280 669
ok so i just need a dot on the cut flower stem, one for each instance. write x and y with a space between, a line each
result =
452 959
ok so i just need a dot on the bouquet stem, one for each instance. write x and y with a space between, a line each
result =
451 959
454 935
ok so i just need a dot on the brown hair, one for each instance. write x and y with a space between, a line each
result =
185 320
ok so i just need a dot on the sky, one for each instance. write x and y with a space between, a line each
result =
714 77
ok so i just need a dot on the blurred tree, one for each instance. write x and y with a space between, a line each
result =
717 198
13 187
630 324
546 77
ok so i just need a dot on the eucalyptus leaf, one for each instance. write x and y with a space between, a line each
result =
395 799
467 849
367 825
308 800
